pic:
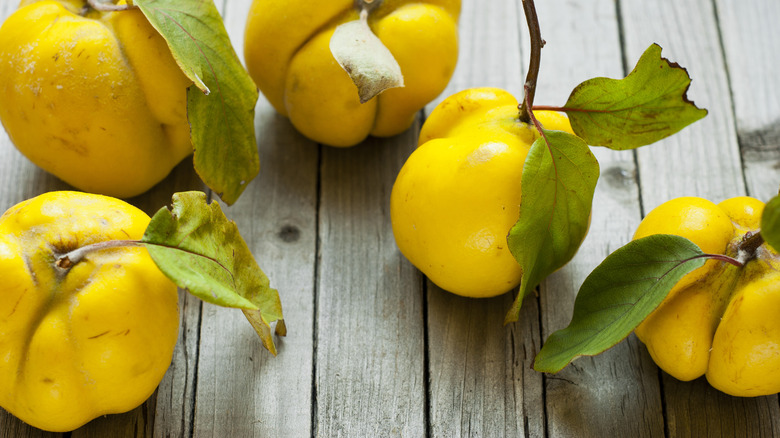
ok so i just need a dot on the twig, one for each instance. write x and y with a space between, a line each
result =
536 54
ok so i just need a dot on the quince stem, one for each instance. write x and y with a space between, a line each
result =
536 54
99 5
66 261
748 247
531 118
746 250
367 6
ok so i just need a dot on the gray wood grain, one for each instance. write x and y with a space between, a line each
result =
241 389
174 403
751 41
583 42
702 160
369 333
481 383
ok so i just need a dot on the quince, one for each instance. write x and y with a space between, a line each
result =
288 55
719 320
92 97
458 194
80 341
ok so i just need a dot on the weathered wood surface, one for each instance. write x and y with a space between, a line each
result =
373 348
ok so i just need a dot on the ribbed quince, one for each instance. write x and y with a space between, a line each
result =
720 320
85 340
95 98
288 55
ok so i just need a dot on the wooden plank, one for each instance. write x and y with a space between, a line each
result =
10 426
583 42
241 389
702 160
481 383
174 404
369 315
751 40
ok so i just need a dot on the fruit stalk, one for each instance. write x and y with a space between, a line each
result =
536 53
99 5
66 261
746 250
367 5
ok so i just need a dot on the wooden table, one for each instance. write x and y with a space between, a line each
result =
374 349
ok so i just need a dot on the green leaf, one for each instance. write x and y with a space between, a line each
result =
558 183
770 223
618 295
647 105
200 250
221 114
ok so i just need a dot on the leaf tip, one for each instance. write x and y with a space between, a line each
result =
281 328
511 316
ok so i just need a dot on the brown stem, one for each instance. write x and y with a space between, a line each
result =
66 261
98 5
531 118
536 54
748 247
367 5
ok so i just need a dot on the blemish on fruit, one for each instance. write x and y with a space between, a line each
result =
16 305
99 335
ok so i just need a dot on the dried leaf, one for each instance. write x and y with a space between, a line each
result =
197 247
365 58
222 116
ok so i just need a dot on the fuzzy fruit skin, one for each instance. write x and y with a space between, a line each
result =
287 54
93 340
97 101
719 320
458 194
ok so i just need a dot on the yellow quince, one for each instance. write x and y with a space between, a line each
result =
83 340
92 97
458 194
720 320
288 55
